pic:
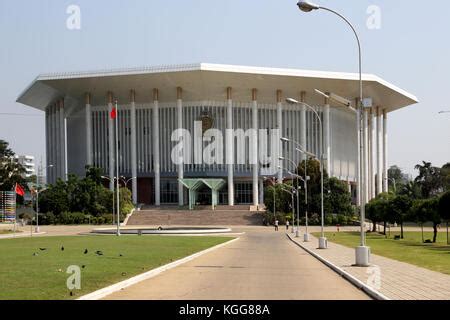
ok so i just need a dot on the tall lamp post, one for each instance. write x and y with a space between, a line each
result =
322 240
296 190
362 252
296 194
301 149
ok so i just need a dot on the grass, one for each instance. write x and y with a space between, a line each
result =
411 249
25 276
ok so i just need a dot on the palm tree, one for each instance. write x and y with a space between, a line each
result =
429 179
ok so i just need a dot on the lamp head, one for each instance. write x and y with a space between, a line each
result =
284 139
281 158
292 101
307 6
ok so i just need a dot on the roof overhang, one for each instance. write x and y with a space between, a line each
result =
208 82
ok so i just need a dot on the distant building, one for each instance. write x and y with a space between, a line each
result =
28 163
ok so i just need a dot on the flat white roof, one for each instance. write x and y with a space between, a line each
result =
205 81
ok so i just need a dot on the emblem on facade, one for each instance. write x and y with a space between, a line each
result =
207 121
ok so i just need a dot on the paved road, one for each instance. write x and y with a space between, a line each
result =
261 265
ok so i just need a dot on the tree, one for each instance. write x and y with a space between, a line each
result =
430 210
339 199
400 207
378 210
418 214
445 174
429 179
11 172
444 209
283 200
314 190
411 189
395 174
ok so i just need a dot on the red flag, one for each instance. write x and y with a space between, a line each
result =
19 190
113 113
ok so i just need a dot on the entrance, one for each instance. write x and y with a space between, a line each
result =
197 191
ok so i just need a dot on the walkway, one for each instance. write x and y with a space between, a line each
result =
397 280
261 265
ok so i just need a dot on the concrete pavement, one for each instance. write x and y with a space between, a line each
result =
263 264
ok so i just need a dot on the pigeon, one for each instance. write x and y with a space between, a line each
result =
124 274
62 248
42 249
86 251
99 253
83 266
35 254
120 255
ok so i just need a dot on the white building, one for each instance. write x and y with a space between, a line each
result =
155 101
28 163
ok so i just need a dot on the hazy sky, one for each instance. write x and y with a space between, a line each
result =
410 49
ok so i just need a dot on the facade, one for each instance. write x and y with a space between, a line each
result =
153 102
28 163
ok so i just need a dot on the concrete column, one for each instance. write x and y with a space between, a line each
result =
371 162
379 153
326 134
57 142
133 147
62 120
280 127
50 146
303 124
111 141
230 147
366 154
156 147
89 160
254 147
180 126
385 155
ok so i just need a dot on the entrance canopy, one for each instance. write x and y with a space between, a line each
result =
193 185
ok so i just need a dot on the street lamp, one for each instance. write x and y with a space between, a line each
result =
293 191
301 149
322 239
445 111
37 201
296 176
362 252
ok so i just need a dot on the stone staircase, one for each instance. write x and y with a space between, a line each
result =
201 216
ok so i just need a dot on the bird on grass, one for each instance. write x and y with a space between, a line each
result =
83 266
42 249
35 254
120 255
62 248
99 253
124 274
86 251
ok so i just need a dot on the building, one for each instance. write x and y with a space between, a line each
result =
28 163
154 101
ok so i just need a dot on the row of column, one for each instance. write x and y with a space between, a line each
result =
179 120
375 139
56 134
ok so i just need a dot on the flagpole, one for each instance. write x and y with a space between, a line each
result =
117 169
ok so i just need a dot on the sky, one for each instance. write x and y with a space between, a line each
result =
402 42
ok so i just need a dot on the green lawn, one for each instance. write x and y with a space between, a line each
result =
26 276
5 231
411 249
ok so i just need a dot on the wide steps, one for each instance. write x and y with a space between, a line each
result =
198 217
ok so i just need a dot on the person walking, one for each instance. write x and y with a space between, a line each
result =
276 225
287 225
